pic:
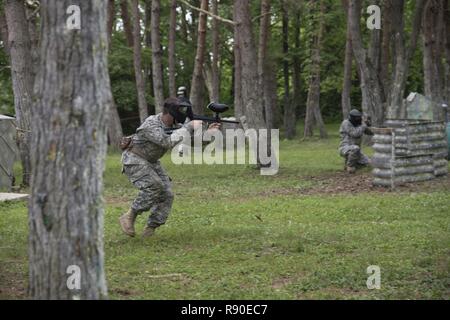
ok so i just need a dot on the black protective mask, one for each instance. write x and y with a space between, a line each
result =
355 121
179 114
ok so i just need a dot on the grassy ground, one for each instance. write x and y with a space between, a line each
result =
234 234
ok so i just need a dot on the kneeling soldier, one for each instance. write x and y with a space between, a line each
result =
142 166
352 131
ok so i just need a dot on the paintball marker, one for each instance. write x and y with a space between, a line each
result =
217 108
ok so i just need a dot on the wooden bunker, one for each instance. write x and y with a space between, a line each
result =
409 151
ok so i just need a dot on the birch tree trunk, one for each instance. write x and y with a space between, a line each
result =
22 78
171 48
73 97
157 75
137 60
197 84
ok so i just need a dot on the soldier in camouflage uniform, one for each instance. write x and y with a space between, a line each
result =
352 131
142 166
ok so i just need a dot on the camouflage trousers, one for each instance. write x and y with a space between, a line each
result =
354 156
155 191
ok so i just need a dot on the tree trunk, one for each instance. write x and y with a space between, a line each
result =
237 76
22 78
197 84
289 110
215 76
171 49
264 30
403 56
137 59
115 131
386 42
127 26
252 101
111 20
433 36
348 64
447 52
313 114
297 76
370 85
158 83
73 96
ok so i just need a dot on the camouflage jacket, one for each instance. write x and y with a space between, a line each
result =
152 140
351 135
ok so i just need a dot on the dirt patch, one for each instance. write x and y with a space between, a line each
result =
344 183
12 285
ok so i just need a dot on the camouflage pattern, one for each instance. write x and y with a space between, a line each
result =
350 147
147 174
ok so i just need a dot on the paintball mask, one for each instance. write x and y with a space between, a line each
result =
178 109
355 118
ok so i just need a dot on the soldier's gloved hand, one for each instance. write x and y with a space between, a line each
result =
368 122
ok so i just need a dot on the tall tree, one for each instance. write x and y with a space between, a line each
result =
197 84
171 48
239 110
348 67
264 31
73 96
313 113
289 110
370 85
403 56
115 131
252 100
158 81
137 60
22 78
296 76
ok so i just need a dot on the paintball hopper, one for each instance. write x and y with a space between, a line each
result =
217 107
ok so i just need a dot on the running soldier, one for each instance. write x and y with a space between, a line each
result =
142 166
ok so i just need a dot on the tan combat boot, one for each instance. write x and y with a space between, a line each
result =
127 223
148 232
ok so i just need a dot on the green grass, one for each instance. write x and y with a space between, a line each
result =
301 246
